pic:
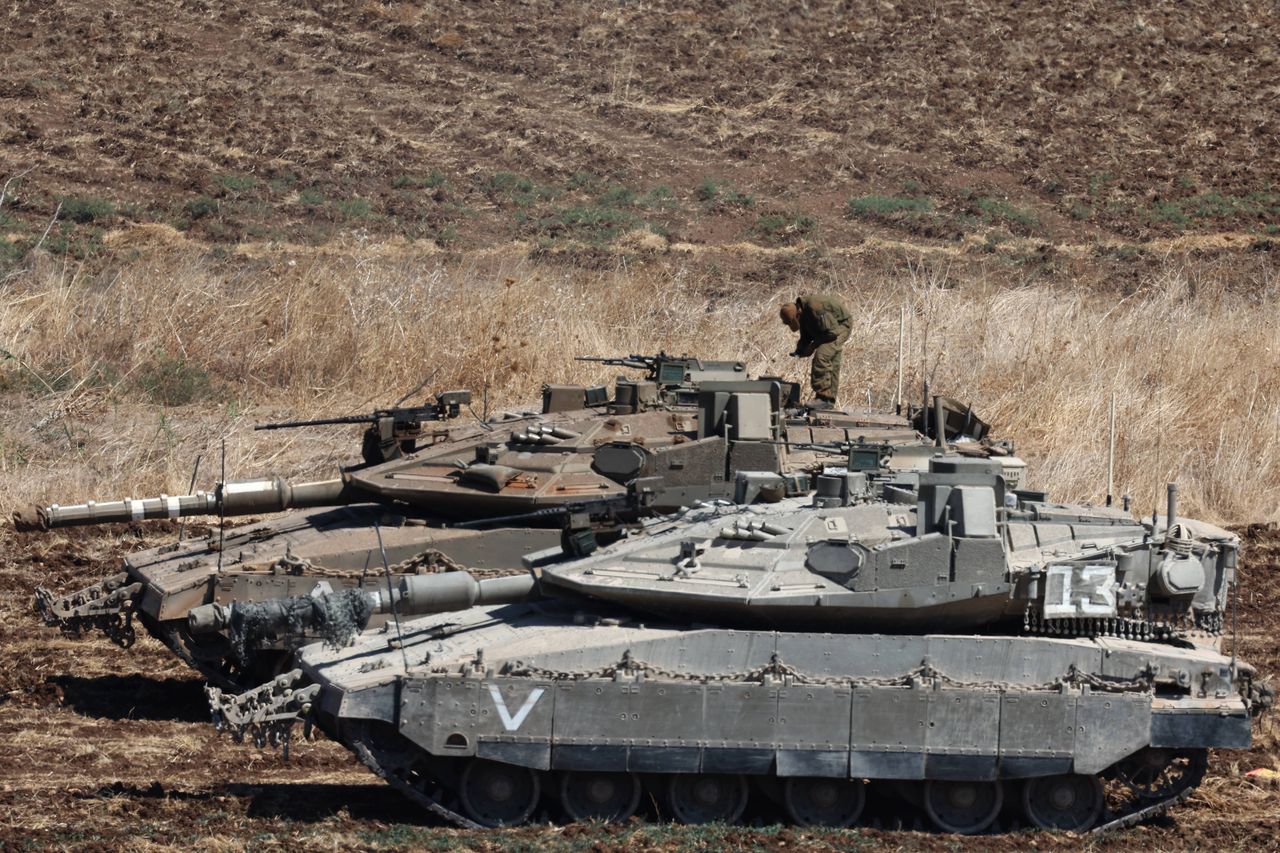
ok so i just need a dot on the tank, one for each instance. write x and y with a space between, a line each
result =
439 491
938 644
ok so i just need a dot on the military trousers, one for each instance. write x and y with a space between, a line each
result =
824 372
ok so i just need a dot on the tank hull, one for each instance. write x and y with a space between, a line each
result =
551 692
300 553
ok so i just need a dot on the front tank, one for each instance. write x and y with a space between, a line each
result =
733 660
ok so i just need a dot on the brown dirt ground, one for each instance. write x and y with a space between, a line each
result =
1117 132
1066 123
108 749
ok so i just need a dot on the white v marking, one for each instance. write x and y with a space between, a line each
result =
509 722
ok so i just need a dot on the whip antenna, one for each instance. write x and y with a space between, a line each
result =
1111 451
222 505
191 490
902 329
395 606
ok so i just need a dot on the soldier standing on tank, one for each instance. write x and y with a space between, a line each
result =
824 326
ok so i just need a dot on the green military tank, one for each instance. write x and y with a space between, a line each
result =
938 640
589 459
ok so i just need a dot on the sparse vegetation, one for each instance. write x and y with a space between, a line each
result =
519 190
784 227
888 208
201 206
236 184
1009 350
717 194
311 197
172 381
84 209
432 180
354 208
1001 212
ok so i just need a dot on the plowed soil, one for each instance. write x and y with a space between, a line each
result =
108 748
1071 140
569 125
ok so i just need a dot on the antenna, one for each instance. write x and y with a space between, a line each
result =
191 490
902 329
1111 451
1235 594
395 607
417 388
222 504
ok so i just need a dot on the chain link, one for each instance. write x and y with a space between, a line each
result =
778 669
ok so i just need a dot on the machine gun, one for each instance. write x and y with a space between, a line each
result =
583 523
391 432
669 371
634 362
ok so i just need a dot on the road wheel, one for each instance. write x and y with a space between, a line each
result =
707 798
495 794
1071 802
962 807
609 797
824 802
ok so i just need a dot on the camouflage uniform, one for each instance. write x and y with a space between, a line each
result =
824 327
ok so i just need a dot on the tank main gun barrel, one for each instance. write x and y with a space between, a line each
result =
335 616
235 497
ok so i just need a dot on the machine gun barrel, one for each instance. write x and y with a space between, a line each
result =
447 406
348 419
235 497
626 504
635 362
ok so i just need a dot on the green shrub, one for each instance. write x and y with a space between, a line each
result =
172 381
201 206
354 208
783 227
518 189
660 197
418 182
236 183
887 207
1168 212
720 195
592 223
998 210
86 209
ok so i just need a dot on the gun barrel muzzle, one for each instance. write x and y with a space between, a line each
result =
235 497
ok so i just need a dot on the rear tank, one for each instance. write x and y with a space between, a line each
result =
440 492
935 643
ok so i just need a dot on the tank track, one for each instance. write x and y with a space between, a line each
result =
1125 628
1141 815
433 802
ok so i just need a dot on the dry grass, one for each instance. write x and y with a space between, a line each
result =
1192 358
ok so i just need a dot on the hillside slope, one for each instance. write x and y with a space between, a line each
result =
809 124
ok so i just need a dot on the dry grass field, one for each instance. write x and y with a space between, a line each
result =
215 215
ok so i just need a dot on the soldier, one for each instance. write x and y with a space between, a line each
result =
824 325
